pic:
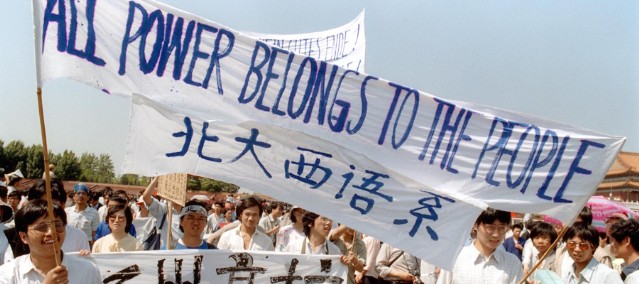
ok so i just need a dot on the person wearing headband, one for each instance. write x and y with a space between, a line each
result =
192 224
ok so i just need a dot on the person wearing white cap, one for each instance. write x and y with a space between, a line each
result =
247 236
292 232
192 224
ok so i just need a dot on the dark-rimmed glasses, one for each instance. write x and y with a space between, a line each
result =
44 227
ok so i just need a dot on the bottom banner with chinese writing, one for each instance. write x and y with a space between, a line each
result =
218 266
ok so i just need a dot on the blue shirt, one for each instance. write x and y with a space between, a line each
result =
103 230
509 246
204 245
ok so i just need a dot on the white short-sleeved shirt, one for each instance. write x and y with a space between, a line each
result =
232 240
22 270
594 272
75 240
86 220
158 210
286 235
473 267
632 278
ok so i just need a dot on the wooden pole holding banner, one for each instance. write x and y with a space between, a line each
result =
552 246
45 153
169 231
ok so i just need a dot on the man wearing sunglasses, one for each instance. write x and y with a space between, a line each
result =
581 242
481 261
39 266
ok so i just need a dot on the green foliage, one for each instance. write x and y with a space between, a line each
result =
210 185
35 162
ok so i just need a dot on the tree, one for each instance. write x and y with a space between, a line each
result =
68 166
104 169
35 162
212 185
88 163
14 156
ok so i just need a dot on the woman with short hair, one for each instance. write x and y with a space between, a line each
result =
119 218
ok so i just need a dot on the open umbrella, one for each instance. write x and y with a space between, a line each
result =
603 207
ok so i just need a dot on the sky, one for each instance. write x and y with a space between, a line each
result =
575 62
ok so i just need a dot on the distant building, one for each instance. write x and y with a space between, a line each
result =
622 181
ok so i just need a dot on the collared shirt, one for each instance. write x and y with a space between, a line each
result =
303 246
472 266
594 272
268 223
372 249
632 278
286 235
509 246
75 240
158 210
22 270
402 261
232 240
109 244
629 269
86 220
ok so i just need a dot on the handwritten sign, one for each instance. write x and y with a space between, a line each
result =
218 266
173 187
409 168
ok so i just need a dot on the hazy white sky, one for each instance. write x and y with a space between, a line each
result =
576 62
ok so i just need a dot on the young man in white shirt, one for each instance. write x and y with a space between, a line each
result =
481 261
247 236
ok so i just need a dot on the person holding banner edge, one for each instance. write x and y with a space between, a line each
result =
158 210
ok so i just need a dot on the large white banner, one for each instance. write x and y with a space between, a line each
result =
409 168
343 46
217 267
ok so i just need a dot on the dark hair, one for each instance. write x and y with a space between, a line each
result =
586 216
543 229
491 215
626 228
119 192
308 220
117 199
33 210
517 226
586 233
39 189
14 193
3 191
248 202
127 214
292 216
107 191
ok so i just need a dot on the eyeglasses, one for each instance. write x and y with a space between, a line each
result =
491 228
44 227
117 218
582 245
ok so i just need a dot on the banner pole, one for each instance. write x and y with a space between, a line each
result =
47 175
169 212
552 246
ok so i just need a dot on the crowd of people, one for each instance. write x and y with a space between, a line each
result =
89 221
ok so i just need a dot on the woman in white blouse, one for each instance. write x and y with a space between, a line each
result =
119 218
316 229
581 242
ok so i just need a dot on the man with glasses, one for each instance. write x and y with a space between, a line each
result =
39 266
481 261
82 216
